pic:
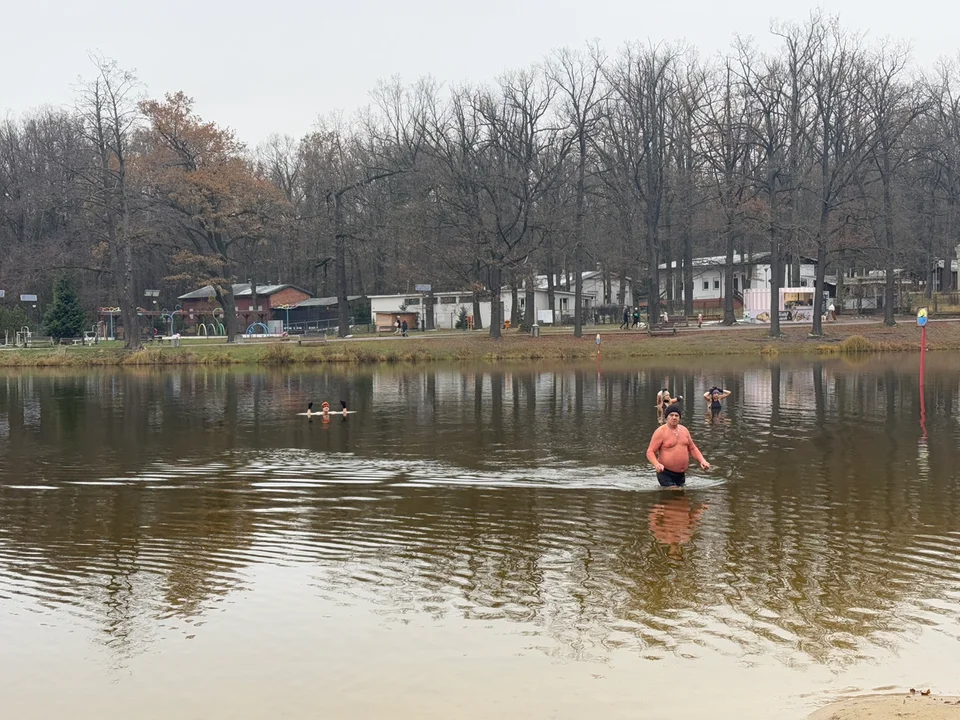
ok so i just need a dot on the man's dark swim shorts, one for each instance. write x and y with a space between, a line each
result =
669 478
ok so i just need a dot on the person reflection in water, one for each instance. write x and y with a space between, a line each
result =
670 449
672 521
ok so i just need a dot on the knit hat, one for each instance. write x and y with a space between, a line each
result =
673 409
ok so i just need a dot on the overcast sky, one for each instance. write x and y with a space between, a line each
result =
275 66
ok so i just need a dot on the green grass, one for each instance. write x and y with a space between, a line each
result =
558 344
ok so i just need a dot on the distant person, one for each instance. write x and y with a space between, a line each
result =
699 320
625 325
397 331
714 396
636 317
833 312
670 449
666 316
325 409
664 400
404 328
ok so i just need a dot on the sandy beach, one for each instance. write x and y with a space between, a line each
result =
891 707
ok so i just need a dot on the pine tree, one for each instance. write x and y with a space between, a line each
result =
65 318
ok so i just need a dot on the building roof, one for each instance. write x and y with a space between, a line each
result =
718 261
240 290
322 302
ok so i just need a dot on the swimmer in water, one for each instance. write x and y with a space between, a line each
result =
324 409
713 396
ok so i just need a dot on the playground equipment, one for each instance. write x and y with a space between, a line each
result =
213 328
264 329
169 315
23 336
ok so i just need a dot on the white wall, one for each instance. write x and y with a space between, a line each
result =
761 276
594 286
564 304
446 314
713 277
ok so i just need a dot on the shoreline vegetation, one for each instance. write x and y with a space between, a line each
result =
854 338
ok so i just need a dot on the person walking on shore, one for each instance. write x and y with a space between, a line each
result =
625 325
670 449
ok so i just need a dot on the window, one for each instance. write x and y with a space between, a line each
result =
736 283
706 284
450 300
411 301
716 284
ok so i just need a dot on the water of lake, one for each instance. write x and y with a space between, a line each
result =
475 542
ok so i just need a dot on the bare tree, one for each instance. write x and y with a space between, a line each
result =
107 106
633 147
893 105
579 77
763 86
843 139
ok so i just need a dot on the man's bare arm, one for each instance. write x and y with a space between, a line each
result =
655 442
697 455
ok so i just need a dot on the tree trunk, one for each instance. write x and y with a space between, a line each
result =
687 270
821 271
477 317
578 233
578 295
529 311
728 315
254 312
128 307
496 280
228 303
774 250
514 303
841 289
551 277
340 243
888 295
653 258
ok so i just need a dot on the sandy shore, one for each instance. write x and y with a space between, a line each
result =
891 707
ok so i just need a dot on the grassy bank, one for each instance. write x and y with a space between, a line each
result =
856 338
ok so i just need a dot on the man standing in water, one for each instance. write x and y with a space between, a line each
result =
670 449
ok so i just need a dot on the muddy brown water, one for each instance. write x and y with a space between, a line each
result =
475 542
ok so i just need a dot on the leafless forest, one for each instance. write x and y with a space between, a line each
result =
831 146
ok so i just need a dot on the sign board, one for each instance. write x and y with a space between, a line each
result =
422 288
545 317
922 317
785 315
151 293
28 298
3 293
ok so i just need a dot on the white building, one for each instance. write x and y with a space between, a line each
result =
593 289
564 304
384 309
709 273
